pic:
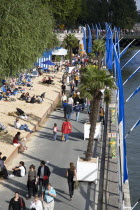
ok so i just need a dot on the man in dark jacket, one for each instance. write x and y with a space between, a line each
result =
68 109
43 176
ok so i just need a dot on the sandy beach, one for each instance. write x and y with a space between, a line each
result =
35 111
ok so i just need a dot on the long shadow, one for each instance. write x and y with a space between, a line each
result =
14 189
86 195
58 171
30 156
61 193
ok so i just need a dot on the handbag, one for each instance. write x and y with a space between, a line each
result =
63 138
76 185
45 177
22 204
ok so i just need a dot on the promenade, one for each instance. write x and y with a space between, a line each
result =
59 154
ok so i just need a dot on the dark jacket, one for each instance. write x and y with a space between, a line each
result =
21 204
46 174
68 109
46 171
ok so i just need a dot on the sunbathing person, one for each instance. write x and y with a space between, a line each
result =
22 97
3 128
44 80
39 99
28 97
33 100
17 125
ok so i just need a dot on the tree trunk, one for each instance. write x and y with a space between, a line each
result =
95 103
70 55
99 61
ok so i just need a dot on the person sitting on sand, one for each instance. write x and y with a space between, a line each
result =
27 97
17 125
33 100
44 80
3 128
39 99
22 97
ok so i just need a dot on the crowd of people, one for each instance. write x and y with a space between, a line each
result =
38 184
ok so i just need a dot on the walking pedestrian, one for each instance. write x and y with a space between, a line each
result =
64 108
101 114
43 176
66 129
71 176
70 101
55 129
31 182
17 203
77 109
88 106
36 204
68 109
76 80
63 88
48 198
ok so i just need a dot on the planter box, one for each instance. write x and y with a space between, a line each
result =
87 170
97 134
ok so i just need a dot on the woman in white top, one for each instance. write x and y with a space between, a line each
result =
36 204
64 98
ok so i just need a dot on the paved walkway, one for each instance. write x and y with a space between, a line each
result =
59 154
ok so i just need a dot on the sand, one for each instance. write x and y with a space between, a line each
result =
35 111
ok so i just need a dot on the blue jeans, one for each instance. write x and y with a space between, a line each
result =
88 108
54 135
68 116
24 127
77 116
66 137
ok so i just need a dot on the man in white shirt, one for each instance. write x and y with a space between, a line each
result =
17 125
20 170
70 101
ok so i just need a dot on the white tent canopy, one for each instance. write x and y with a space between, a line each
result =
60 51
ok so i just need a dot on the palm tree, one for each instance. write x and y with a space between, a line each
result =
70 42
99 49
92 81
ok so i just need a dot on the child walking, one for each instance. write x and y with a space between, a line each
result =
55 129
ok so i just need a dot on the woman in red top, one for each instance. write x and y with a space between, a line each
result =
66 129
16 141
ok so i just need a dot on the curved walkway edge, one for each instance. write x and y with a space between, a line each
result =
51 107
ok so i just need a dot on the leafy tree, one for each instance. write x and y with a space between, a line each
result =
92 81
25 31
65 11
70 42
98 49
122 13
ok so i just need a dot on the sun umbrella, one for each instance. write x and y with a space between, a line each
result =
48 63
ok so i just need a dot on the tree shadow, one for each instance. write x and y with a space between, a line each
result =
6 138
